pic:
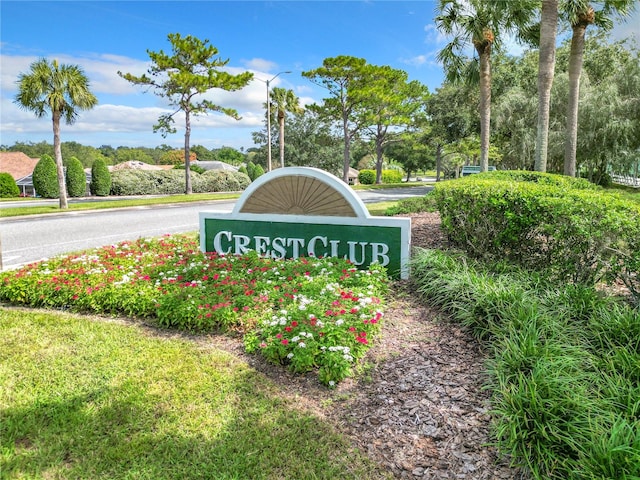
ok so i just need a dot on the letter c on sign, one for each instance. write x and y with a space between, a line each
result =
217 245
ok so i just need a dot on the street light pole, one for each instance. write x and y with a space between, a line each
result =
269 120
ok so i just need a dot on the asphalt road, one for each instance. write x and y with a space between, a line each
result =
32 238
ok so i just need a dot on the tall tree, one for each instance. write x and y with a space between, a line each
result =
342 76
581 14
182 77
546 69
61 90
450 111
283 101
478 24
392 102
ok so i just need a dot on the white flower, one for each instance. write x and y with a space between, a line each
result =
290 355
302 344
331 383
339 322
295 339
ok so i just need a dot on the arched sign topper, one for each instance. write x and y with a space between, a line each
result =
300 211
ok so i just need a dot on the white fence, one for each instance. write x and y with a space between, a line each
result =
626 180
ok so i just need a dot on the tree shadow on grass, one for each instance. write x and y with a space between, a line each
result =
126 432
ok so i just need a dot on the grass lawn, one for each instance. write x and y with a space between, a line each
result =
99 204
82 398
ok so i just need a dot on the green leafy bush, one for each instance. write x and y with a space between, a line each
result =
75 178
100 179
8 186
367 177
391 176
566 227
45 178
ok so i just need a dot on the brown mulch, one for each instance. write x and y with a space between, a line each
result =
417 408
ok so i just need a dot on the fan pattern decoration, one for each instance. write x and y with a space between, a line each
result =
298 195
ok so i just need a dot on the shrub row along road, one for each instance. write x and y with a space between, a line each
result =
32 238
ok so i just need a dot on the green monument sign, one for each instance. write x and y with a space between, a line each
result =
299 211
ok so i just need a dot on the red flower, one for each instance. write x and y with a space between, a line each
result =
294 324
284 341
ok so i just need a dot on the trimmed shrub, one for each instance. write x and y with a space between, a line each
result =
148 182
224 181
566 227
100 179
243 169
258 172
8 186
45 178
391 176
251 170
367 177
75 178
171 182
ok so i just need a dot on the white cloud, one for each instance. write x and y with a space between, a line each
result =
260 64
126 113
433 35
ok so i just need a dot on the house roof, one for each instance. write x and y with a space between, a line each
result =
17 164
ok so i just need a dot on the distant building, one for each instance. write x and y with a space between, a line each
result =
214 165
20 167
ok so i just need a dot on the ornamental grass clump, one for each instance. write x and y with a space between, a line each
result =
564 372
327 310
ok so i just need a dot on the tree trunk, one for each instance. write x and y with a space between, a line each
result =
575 71
187 161
485 104
378 160
438 162
347 154
281 136
546 67
57 152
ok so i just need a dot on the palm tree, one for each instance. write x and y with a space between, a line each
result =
283 101
478 24
581 14
61 90
546 67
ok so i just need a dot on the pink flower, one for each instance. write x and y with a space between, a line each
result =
284 341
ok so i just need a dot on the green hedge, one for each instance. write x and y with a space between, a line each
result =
8 186
566 227
368 177
171 182
45 178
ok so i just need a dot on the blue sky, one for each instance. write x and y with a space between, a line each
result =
262 37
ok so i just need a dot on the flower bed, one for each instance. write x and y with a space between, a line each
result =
308 313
